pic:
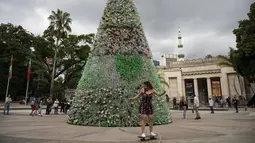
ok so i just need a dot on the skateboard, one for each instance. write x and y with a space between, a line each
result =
149 137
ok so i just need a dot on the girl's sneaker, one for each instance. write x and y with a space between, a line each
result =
153 134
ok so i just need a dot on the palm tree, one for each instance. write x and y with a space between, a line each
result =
163 81
229 61
59 28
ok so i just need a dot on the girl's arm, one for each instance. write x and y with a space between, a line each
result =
138 95
159 94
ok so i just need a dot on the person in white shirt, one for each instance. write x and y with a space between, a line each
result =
196 107
56 102
7 104
211 103
40 107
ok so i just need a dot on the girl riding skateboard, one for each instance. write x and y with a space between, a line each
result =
146 109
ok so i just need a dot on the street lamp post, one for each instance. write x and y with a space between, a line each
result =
32 50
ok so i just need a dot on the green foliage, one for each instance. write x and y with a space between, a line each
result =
128 66
110 108
99 70
95 77
120 14
120 31
227 60
119 63
163 81
59 25
245 53
56 32
14 40
73 54
208 56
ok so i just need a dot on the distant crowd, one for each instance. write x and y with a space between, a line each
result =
218 102
234 102
64 105
36 105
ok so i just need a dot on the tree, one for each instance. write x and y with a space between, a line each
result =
72 54
40 68
208 56
74 51
245 43
16 41
119 63
229 61
59 27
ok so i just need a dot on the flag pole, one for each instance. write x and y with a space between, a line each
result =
7 88
26 92
27 82
9 77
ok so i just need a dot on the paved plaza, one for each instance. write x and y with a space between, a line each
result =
223 126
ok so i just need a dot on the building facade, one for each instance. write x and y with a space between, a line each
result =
202 77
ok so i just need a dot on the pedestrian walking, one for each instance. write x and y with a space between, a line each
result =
211 104
67 106
196 107
174 103
7 104
48 105
228 100
184 105
40 104
62 105
236 102
33 107
55 105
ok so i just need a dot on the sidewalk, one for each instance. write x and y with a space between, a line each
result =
227 127
206 109
17 106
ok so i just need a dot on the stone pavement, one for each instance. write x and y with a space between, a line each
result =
17 106
223 126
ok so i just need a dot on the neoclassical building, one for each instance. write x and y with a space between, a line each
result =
202 77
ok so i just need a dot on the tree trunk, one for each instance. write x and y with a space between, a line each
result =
53 72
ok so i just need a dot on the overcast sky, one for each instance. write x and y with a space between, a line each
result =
206 25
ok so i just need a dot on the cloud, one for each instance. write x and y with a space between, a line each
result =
206 25
38 22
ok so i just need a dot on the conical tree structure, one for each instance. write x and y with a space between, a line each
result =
119 63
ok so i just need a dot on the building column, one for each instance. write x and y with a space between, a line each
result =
209 87
179 87
195 87
224 86
183 88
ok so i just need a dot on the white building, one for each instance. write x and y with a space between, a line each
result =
202 77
